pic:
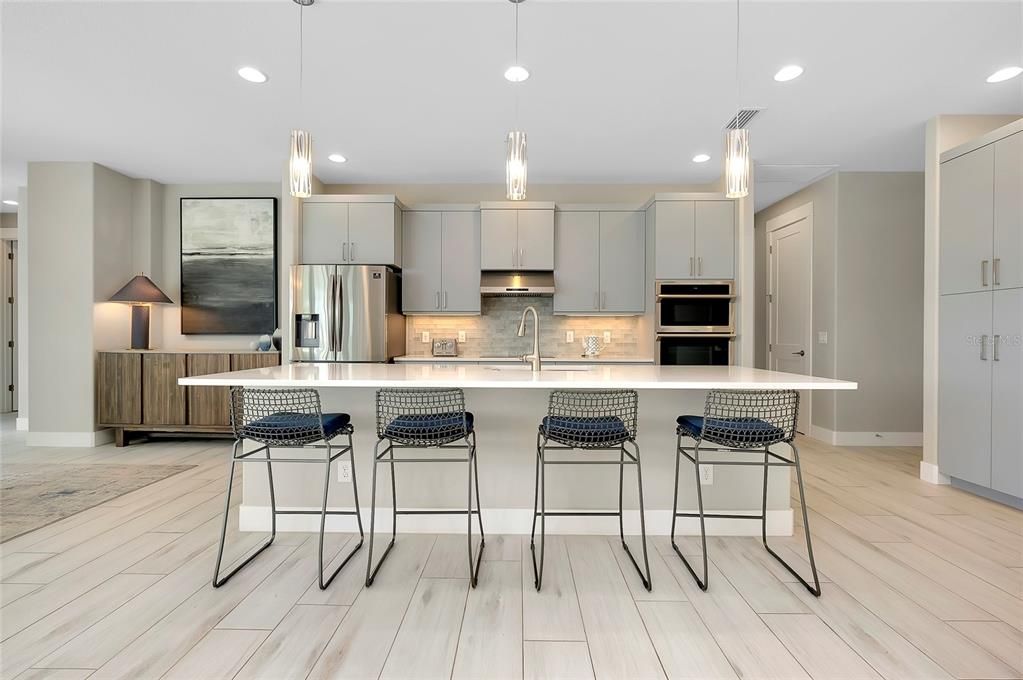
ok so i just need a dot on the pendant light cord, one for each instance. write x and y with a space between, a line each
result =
301 61
738 106
517 62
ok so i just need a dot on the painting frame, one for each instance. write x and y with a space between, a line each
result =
242 318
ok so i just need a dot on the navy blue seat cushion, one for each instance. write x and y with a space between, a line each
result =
744 431
285 423
585 430
430 426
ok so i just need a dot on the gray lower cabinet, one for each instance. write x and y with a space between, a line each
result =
1007 392
442 262
600 262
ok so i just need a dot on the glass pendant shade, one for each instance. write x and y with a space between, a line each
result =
300 162
515 166
737 163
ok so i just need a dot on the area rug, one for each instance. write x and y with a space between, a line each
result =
34 495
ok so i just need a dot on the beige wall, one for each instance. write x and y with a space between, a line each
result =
9 220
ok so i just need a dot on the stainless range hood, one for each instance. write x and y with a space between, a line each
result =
513 284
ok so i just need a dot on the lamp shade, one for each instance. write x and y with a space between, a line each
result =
140 290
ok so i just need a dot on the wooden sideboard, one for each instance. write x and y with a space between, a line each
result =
138 391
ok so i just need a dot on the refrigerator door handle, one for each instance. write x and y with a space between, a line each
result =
332 283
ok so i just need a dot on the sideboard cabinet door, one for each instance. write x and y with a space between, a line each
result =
163 400
208 405
119 388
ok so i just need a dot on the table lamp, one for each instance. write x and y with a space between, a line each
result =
140 292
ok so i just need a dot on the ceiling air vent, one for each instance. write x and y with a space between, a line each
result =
743 118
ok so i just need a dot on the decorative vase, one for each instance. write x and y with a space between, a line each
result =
276 338
265 343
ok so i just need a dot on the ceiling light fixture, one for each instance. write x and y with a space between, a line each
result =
787 73
515 151
10 202
1003 74
737 159
252 74
337 158
516 74
300 159
701 158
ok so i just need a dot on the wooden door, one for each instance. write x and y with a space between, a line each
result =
715 239
461 263
1007 267
421 277
536 240
622 262
324 233
966 217
577 258
119 388
499 247
208 406
674 236
1007 393
164 402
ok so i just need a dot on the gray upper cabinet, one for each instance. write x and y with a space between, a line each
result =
338 231
517 239
1007 265
441 271
715 240
1007 392
675 238
577 262
600 262
966 222
324 232
622 262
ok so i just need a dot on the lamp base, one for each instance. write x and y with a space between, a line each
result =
140 326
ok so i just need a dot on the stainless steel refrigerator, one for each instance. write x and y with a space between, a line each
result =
348 313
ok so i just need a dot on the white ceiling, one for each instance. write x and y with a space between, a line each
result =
624 91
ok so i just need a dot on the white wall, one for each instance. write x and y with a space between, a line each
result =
23 307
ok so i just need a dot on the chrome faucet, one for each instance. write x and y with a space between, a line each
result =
533 358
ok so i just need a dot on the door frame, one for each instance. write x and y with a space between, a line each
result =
803 212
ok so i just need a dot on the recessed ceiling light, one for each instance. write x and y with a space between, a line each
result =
516 74
10 202
337 158
252 74
1003 74
701 158
787 73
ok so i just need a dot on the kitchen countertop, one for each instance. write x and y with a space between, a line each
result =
578 359
646 377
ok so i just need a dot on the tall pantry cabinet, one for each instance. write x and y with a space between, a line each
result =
980 342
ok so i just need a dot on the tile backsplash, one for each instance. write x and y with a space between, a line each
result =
492 334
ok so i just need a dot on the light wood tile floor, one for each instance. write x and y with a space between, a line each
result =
919 581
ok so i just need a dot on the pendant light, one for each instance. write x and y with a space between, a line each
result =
515 152
300 159
737 160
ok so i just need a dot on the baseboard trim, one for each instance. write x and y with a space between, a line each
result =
866 438
519 521
70 439
929 472
21 424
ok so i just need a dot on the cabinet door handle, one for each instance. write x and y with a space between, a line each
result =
994 344
983 272
445 299
352 249
436 304
983 348
344 251
603 300
996 272
691 266
521 256
515 253
699 266
596 300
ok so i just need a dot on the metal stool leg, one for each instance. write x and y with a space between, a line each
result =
218 580
371 569
538 570
323 517
702 583
474 570
645 577
815 589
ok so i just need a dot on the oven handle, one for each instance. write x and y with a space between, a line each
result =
696 297
663 336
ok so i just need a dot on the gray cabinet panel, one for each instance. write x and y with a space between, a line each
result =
499 246
371 234
1007 393
622 261
674 235
536 240
1008 211
964 387
577 262
715 239
461 262
421 277
966 219
324 232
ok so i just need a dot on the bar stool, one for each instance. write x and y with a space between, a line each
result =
588 420
288 418
424 418
742 421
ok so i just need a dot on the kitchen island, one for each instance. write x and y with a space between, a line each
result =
508 402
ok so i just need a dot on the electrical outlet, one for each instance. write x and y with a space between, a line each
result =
426 337
607 337
461 336
706 475
569 336
822 337
344 471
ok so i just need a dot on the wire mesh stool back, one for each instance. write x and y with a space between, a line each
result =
591 419
422 417
748 419
281 417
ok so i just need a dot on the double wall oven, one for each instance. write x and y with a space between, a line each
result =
695 323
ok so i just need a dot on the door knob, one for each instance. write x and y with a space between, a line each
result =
800 353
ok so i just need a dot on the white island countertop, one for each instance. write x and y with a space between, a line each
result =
638 377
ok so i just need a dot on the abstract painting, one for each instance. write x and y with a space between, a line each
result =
228 265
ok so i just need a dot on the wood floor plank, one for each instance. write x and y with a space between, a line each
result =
218 656
450 557
1000 639
619 645
293 647
55 674
360 645
348 584
503 547
14 564
9 592
195 517
553 660
856 524
684 645
428 637
822 653
184 548
664 587
762 591
553 613
490 642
